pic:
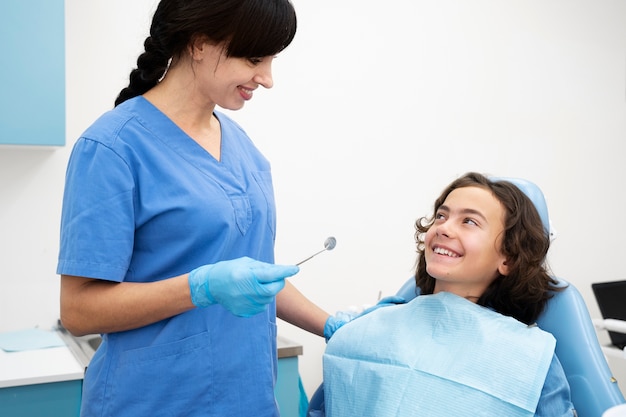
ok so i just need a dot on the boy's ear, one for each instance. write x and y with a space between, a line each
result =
503 268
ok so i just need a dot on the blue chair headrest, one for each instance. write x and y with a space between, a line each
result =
533 192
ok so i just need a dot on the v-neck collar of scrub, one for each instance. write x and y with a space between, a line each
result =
171 135
224 173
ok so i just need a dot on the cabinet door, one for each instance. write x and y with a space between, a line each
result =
32 72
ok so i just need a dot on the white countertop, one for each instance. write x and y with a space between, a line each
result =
56 364
287 348
38 366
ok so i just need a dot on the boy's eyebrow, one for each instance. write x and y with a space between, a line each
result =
464 211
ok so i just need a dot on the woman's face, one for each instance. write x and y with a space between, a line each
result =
463 245
229 82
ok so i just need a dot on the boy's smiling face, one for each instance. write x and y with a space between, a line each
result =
463 245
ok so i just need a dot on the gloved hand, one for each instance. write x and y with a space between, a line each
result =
333 323
243 286
392 300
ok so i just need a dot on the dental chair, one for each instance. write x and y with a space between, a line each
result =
593 388
611 325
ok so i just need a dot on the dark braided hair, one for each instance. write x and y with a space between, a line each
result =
524 291
247 28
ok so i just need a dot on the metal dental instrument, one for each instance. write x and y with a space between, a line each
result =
329 244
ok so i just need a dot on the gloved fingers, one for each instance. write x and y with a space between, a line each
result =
346 316
243 286
270 289
246 310
392 299
384 302
258 299
331 326
266 273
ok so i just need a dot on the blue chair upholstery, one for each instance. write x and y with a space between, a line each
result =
594 389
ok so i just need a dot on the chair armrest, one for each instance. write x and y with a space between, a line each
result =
613 351
617 411
612 325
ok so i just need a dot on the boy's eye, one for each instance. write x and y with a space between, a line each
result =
255 61
470 221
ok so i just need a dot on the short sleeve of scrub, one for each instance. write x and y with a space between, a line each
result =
97 221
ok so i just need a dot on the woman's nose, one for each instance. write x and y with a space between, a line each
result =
264 74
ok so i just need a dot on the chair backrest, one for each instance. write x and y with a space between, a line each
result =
594 389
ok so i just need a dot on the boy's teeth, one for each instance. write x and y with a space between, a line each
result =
442 251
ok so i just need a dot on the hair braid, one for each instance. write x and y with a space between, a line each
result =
151 66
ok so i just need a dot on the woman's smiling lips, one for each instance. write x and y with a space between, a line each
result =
246 93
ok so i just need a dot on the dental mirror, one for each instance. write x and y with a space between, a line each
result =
329 244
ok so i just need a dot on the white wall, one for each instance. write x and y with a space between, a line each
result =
376 107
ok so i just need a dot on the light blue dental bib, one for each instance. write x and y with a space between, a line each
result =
436 356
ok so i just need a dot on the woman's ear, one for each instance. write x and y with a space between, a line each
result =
197 47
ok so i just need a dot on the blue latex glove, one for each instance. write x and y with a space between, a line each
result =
243 286
392 300
333 323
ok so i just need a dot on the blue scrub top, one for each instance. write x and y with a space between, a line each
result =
144 202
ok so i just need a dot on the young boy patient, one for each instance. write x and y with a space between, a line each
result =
467 345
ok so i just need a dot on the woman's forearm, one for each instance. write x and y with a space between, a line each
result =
90 306
293 307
